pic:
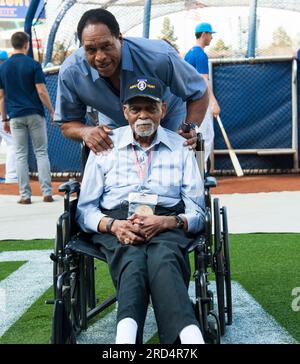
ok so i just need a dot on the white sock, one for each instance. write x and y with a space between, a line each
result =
126 331
191 335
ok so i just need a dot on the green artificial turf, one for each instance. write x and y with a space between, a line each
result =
34 327
9 245
266 265
6 268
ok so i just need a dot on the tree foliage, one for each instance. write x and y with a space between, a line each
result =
281 38
220 46
167 32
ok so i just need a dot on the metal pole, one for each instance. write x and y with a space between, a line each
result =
252 29
295 113
28 22
147 18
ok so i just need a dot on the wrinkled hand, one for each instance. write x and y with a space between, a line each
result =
97 138
127 232
191 137
152 225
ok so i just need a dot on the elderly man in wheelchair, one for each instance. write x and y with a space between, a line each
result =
143 207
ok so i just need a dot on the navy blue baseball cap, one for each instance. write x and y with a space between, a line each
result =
204 28
3 55
143 87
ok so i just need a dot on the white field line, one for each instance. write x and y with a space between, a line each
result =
24 286
251 324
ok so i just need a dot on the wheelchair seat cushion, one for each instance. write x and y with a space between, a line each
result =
83 245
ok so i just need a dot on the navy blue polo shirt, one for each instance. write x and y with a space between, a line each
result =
18 77
198 59
80 85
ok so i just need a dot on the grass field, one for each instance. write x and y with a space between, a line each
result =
266 265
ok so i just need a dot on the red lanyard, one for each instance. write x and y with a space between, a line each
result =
141 171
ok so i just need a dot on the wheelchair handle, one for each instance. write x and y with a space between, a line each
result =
69 187
200 143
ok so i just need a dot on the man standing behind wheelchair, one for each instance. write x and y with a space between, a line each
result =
143 202
96 73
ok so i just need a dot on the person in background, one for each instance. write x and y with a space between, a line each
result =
22 95
199 60
296 54
10 161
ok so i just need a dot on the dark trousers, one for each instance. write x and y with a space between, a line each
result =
159 268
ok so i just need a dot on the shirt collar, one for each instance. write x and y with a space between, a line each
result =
161 137
126 60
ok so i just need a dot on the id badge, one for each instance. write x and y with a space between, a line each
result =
142 203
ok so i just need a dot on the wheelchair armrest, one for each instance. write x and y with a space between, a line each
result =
210 182
70 187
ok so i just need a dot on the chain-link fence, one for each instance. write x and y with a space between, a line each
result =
64 154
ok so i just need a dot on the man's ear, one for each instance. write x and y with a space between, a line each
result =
125 110
164 109
120 38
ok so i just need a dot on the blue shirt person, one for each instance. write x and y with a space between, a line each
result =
22 95
145 245
199 60
95 76
296 54
22 101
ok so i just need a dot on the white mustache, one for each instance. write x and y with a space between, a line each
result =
143 122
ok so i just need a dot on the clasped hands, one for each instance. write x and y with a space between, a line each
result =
140 229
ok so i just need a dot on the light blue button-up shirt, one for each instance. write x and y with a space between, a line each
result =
173 175
80 85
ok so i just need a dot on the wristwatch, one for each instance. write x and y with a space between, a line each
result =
180 221
191 124
109 223
186 126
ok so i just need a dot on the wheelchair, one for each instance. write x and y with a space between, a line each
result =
75 301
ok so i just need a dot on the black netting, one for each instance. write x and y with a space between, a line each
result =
255 99
64 154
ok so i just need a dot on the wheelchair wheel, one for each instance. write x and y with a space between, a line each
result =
67 314
219 265
75 313
227 271
61 328
213 334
